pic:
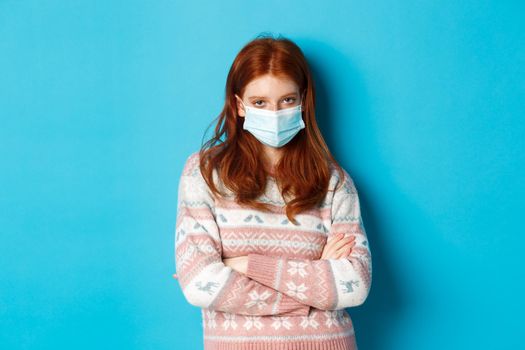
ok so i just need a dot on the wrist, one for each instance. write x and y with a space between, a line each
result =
238 263
243 264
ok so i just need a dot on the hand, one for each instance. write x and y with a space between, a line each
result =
338 246
239 263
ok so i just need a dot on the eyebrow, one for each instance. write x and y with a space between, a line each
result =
263 97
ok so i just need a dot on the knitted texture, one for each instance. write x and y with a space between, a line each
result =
289 298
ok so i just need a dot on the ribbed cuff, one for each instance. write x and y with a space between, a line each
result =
265 269
262 268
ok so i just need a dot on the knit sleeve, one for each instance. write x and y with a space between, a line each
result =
326 284
205 280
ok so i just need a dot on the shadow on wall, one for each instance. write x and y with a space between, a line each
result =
377 318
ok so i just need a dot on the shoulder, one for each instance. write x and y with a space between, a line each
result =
193 176
341 180
192 165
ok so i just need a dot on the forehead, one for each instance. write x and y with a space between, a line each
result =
270 86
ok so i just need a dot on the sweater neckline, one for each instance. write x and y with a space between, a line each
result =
272 172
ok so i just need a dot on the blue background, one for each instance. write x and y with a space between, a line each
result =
102 101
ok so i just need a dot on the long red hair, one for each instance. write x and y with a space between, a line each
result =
303 172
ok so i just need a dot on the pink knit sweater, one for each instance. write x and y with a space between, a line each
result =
289 297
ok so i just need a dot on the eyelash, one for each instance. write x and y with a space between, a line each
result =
292 98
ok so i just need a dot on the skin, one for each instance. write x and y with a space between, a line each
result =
271 93
274 93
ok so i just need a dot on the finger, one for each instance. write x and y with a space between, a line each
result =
337 253
343 253
328 248
336 237
349 251
335 242
342 242
338 242
339 237
346 246
331 250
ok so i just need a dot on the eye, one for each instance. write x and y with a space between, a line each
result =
291 99
256 103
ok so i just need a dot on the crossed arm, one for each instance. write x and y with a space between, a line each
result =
337 246
257 284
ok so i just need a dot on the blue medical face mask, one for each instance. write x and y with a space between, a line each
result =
273 128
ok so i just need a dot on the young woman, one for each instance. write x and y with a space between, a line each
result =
269 237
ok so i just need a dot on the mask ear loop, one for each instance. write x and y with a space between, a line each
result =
302 100
301 105
243 105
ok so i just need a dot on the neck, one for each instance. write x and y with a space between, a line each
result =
271 157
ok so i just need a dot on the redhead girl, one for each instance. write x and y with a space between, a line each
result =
269 241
